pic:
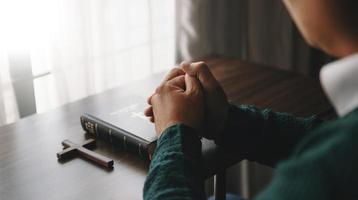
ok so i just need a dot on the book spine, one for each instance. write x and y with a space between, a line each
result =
116 138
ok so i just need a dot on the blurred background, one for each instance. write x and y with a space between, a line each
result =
57 51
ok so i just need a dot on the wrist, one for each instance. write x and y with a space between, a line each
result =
221 123
225 125
160 129
180 126
196 125
225 119
179 135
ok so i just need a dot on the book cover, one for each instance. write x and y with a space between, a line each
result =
123 124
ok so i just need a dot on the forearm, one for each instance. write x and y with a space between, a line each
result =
175 171
263 135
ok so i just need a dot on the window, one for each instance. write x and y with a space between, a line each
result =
79 48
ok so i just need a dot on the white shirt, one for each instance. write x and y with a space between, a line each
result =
339 80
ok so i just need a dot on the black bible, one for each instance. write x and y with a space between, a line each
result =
123 124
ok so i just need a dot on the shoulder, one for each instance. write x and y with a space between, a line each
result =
323 166
329 153
340 133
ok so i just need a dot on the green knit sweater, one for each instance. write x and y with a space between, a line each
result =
312 160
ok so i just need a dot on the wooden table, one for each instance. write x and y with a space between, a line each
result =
29 168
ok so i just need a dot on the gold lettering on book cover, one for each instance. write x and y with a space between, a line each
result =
90 127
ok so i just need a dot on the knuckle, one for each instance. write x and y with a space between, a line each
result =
159 89
147 111
149 99
154 99
174 70
166 86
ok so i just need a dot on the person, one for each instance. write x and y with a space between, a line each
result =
312 159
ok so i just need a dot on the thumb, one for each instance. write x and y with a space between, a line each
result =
192 84
201 71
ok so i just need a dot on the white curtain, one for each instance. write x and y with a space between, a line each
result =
254 30
82 47
212 27
8 107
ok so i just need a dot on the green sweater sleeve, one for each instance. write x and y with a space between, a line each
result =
263 136
175 171
322 166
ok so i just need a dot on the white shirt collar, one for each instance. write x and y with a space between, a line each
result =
339 80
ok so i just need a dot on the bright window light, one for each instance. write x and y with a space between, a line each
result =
79 48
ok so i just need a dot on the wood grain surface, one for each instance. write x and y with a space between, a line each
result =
28 164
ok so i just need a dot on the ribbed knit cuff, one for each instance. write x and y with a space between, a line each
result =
179 137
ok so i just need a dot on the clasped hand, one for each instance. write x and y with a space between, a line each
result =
190 95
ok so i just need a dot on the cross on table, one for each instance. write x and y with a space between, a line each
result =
71 148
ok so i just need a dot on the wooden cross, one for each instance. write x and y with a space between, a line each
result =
71 148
